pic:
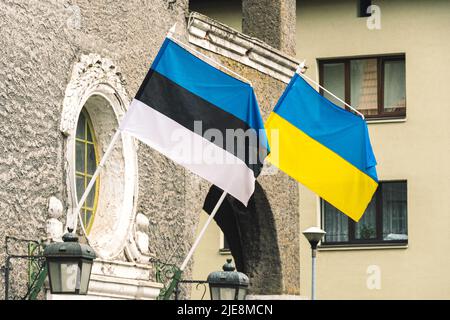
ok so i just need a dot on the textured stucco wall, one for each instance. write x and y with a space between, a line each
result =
40 43
273 268
272 21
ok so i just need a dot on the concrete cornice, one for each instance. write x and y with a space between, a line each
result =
219 38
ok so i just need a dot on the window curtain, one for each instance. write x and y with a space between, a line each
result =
394 85
394 211
335 223
366 228
334 81
363 85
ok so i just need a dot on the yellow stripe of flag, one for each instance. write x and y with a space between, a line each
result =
319 168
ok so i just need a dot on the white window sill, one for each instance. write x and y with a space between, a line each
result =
377 121
362 247
224 252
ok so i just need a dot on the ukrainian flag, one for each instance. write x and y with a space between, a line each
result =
324 147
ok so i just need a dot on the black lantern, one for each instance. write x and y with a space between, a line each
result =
69 265
228 284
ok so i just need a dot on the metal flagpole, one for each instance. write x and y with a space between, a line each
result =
177 275
108 151
313 275
92 182
202 232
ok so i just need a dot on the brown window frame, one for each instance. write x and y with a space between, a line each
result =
378 241
381 60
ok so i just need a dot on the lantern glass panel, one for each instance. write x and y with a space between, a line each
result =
215 293
54 274
242 293
70 273
227 293
85 275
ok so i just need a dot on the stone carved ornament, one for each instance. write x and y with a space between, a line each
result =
90 71
54 227
95 75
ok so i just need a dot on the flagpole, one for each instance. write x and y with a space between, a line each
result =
92 182
177 275
77 213
202 232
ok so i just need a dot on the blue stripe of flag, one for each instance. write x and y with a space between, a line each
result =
222 90
337 129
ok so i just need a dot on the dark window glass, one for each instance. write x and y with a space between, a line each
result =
375 86
363 5
394 209
334 82
336 224
364 85
366 228
394 89
226 246
384 221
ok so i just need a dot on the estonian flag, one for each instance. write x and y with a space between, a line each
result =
201 118
324 147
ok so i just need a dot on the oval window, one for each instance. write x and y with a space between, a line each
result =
86 161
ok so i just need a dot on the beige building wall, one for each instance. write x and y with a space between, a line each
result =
228 12
417 149
207 257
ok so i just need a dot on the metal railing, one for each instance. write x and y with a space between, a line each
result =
20 254
165 272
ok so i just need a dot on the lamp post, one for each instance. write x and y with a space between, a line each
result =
228 284
313 235
69 265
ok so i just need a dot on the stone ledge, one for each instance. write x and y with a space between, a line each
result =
121 269
119 281
214 36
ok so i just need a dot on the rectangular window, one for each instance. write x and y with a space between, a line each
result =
374 85
224 246
363 5
383 222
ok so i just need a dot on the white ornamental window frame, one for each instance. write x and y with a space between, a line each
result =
97 78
